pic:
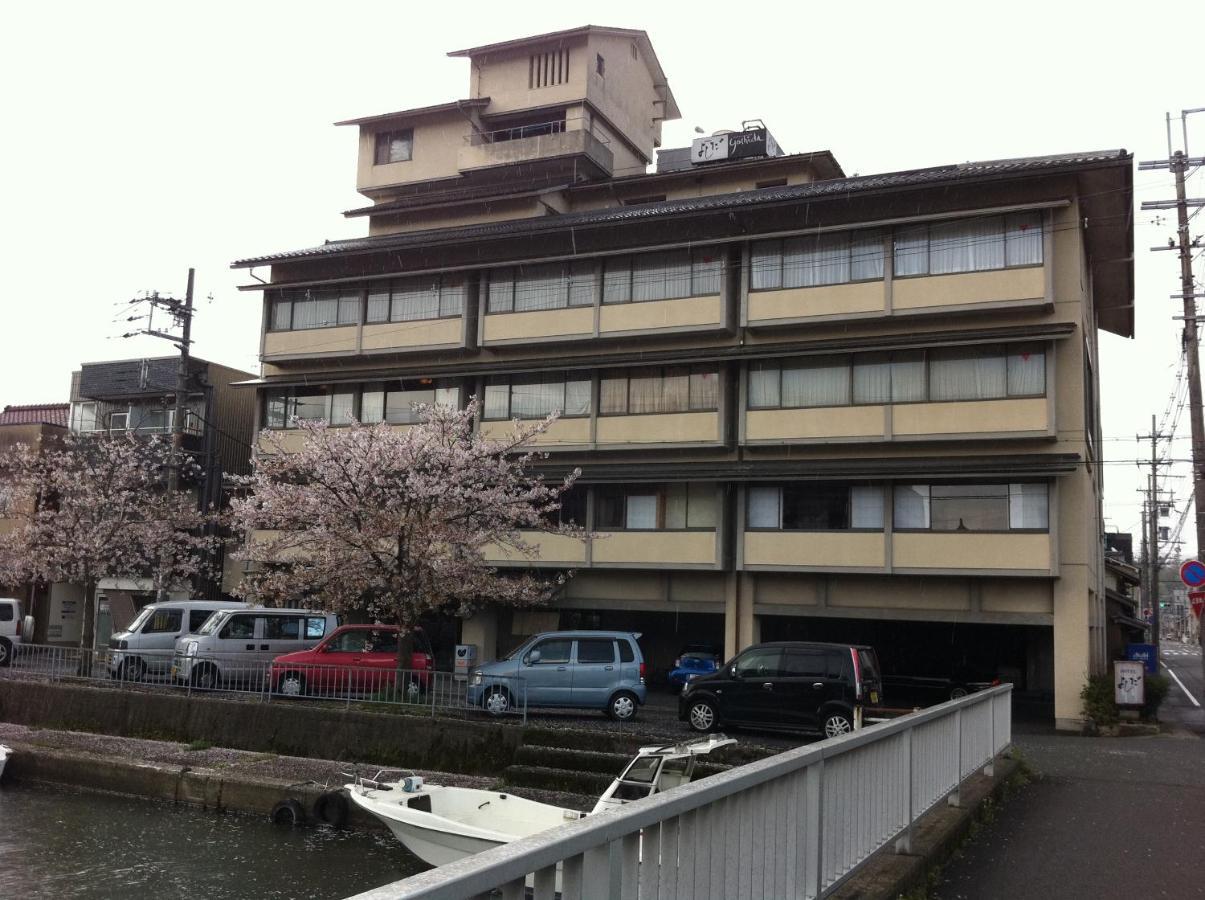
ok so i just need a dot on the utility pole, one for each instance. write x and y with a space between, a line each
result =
1179 163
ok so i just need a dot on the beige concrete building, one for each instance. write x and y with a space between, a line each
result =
804 404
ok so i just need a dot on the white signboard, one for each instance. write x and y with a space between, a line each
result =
1129 685
706 149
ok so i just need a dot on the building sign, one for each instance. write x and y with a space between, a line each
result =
1145 654
734 145
1129 683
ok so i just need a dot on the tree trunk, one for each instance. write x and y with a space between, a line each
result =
87 636
407 683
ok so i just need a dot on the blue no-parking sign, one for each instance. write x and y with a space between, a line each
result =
1192 573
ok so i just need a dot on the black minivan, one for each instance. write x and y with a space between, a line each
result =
790 685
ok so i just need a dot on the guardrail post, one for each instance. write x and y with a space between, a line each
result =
955 797
990 769
813 837
904 843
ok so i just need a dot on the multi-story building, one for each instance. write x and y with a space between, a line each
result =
803 404
137 396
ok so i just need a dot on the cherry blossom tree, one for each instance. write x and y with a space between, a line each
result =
395 523
95 507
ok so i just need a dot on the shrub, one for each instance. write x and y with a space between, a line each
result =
1157 688
1097 695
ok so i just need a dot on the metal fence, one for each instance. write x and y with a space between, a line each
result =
208 673
793 825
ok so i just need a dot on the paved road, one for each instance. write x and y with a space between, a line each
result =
1107 817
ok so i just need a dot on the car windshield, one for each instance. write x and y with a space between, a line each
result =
518 651
213 623
143 615
699 654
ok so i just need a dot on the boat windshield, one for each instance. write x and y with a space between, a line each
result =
642 770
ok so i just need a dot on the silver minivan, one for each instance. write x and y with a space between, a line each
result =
235 648
146 646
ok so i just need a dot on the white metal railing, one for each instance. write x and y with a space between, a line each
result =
793 825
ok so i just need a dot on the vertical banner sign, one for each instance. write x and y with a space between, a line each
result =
1129 683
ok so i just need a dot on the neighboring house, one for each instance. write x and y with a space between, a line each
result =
138 396
804 405
38 426
1123 595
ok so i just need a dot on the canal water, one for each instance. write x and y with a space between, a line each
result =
63 844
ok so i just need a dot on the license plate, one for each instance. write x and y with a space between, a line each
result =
874 696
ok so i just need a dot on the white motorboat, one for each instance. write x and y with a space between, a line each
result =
441 824
5 752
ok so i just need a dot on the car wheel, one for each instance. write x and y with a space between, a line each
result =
291 684
205 678
132 670
958 692
701 715
497 701
622 707
837 724
6 652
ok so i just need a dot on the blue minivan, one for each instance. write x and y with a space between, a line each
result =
568 670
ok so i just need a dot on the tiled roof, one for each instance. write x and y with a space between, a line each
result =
35 414
936 175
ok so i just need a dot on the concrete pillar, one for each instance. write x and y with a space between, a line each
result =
1072 646
481 629
741 626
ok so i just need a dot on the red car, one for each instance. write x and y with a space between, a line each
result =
359 659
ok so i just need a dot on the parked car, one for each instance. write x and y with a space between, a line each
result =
146 646
353 658
236 647
791 685
692 661
601 670
11 622
929 690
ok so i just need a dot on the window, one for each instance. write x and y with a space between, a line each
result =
535 398
640 201
196 618
283 628
663 276
674 507
239 627
83 417
625 652
903 376
298 310
572 510
8 612
397 402
805 664
315 627
435 296
391 401
541 287
772 183
553 652
766 663
164 621
335 406
661 390
818 259
969 245
600 64
972 507
547 69
815 507
595 651
394 146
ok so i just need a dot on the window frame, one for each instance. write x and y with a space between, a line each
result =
384 139
509 383
627 375
1004 218
849 509
661 493
357 390
1007 497
817 236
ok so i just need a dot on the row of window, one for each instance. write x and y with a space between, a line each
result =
965 245
393 401
903 376
916 507
666 389
970 245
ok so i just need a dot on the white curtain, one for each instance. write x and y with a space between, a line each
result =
583 283
911 506
817 385
497 401
704 390
966 246
399 405
613 396
766 263
912 251
342 408
349 308
1023 239
1026 372
763 387
378 304
502 290
967 375
872 378
577 398
908 376
451 295
1028 506
617 281
827 260
282 315
540 287
372 407
416 298
866 507
764 507
705 268
536 400
641 511
794 262
866 255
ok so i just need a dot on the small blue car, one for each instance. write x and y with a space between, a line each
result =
693 661
601 670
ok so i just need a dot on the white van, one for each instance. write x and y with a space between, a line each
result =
235 648
11 620
146 646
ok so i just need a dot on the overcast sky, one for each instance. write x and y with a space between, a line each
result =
144 138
